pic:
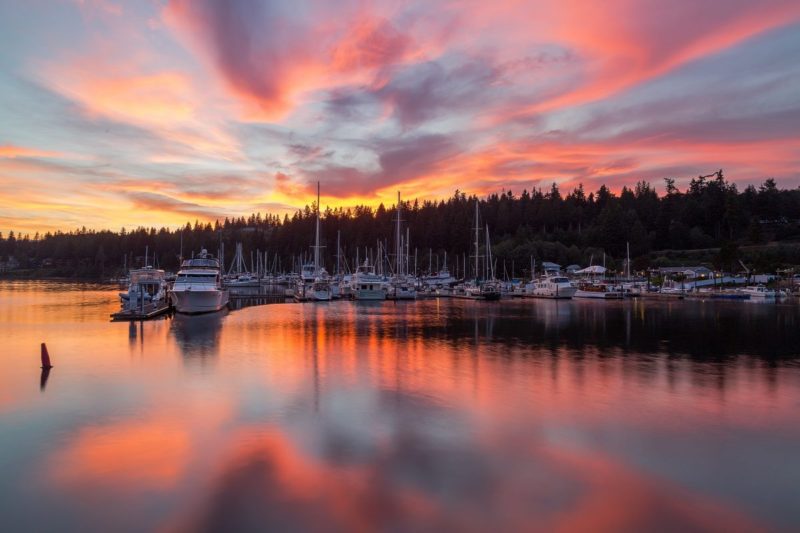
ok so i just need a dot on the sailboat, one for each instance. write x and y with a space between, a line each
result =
400 287
314 283
487 288
238 275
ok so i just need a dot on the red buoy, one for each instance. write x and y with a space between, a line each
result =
45 358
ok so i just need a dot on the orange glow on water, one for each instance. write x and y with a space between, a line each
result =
135 455
521 415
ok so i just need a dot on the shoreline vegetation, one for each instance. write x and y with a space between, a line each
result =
710 223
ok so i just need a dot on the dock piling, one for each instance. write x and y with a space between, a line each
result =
45 358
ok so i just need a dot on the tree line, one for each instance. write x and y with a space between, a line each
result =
545 224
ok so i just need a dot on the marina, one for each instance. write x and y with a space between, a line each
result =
151 293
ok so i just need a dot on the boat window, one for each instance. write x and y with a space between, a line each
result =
197 277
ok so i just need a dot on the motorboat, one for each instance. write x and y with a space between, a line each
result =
671 287
198 286
634 289
147 286
598 290
556 287
366 284
758 291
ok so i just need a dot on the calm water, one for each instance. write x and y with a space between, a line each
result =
431 415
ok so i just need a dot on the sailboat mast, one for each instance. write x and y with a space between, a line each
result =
397 248
408 249
477 230
490 271
628 262
316 238
338 251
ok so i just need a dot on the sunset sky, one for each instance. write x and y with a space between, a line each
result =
155 112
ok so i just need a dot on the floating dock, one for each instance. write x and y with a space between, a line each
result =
662 295
145 313
718 296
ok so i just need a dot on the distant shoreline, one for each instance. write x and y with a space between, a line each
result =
33 276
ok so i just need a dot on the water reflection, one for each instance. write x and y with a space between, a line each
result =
430 415
198 336
45 375
413 485
241 297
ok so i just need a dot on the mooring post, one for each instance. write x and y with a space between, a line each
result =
45 358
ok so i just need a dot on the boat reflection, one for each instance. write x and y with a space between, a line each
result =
198 336
45 375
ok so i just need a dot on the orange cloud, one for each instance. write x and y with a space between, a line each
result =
160 98
11 151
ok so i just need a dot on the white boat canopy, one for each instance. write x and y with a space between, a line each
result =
594 269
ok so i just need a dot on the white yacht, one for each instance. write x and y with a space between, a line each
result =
758 291
147 286
366 284
198 287
556 287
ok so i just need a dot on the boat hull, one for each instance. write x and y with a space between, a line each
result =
401 294
598 295
192 302
321 296
369 294
561 294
